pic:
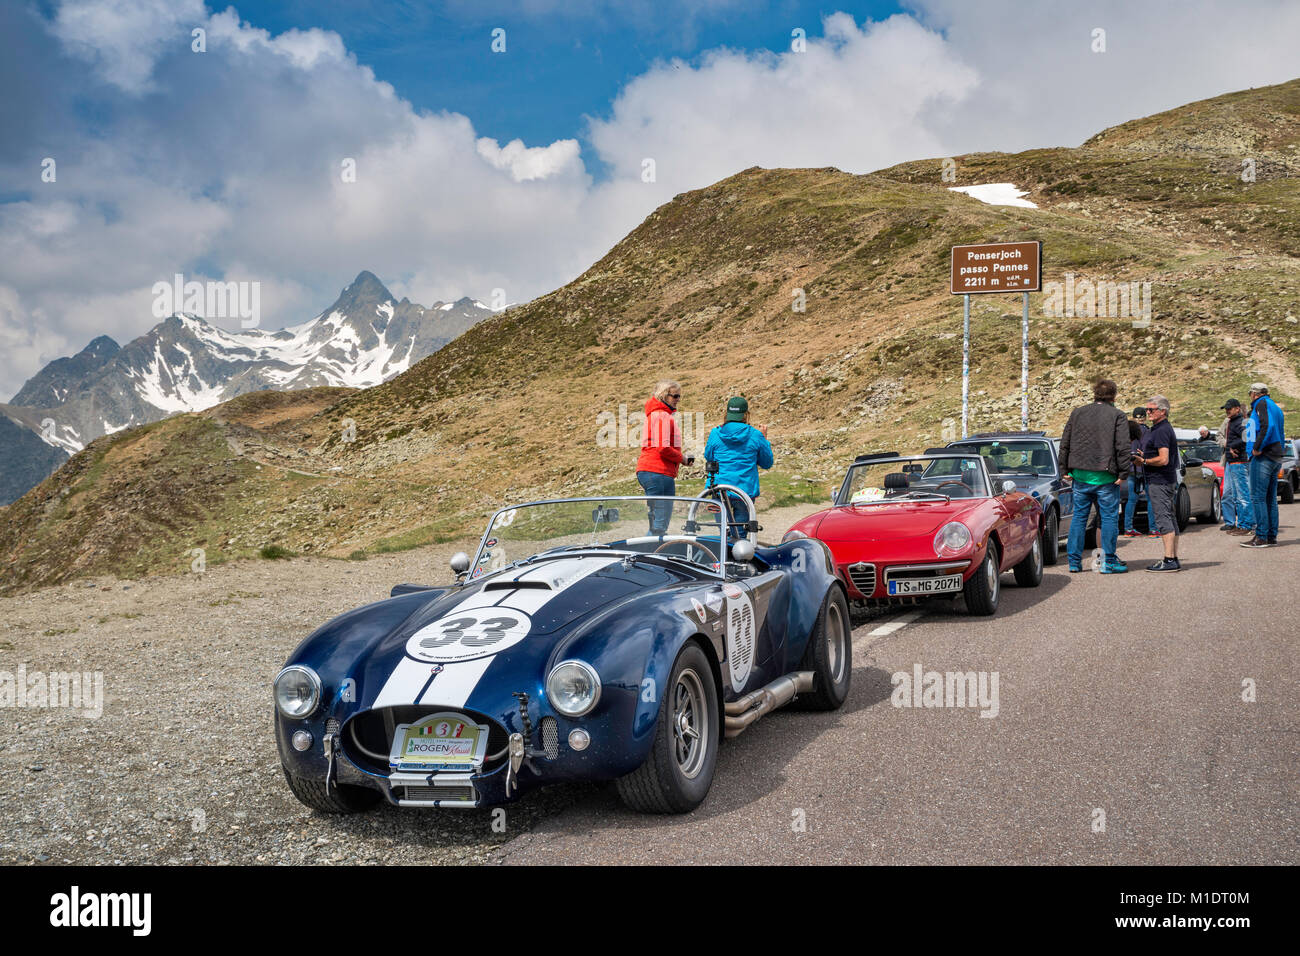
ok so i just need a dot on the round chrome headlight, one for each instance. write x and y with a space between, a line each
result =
954 536
297 691
793 535
573 688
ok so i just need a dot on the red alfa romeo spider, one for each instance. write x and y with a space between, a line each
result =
905 528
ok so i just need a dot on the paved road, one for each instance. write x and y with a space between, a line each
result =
1119 695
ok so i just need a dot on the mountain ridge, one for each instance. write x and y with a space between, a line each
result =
706 290
185 364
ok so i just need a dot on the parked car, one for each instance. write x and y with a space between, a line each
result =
1029 459
1288 475
900 529
573 646
1202 469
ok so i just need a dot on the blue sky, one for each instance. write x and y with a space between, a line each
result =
564 62
507 175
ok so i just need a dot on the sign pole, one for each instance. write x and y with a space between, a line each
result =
1024 367
965 367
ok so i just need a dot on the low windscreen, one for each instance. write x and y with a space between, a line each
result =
913 479
677 528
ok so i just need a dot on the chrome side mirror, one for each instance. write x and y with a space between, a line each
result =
1008 486
743 550
460 563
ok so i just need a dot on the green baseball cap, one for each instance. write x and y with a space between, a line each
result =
737 409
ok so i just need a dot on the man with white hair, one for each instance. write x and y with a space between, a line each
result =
1158 456
1264 451
1205 433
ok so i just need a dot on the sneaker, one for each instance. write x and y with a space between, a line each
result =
1168 564
1226 527
1255 542
1075 568
1239 532
1130 533
1113 566
1272 542
1154 534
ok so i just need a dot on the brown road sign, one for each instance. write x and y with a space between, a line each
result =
997 267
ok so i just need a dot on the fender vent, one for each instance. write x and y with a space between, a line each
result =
550 738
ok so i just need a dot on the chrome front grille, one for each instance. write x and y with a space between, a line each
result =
464 793
550 738
863 577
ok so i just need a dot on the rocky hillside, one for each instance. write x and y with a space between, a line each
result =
705 291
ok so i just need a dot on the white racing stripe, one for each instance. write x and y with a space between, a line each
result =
453 685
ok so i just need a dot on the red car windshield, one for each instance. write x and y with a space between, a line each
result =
913 479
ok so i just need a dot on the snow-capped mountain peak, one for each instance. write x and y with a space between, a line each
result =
186 364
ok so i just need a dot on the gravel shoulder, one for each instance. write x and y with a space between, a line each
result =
181 766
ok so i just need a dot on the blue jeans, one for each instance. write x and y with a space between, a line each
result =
1106 497
1136 489
1237 507
660 512
1263 495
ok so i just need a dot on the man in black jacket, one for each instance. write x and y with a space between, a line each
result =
1095 453
1238 513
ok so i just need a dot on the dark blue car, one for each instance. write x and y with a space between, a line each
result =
574 646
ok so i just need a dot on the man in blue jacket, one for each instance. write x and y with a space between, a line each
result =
1264 451
740 450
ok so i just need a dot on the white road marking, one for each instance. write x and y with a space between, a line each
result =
884 630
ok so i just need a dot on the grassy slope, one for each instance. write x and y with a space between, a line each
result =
702 291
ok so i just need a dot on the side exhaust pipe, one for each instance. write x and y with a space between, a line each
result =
744 711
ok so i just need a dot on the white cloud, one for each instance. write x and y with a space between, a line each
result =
537 162
123 38
230 161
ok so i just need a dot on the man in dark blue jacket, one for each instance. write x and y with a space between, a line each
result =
1266 453
740 450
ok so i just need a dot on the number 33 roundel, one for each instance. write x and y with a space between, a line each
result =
465 635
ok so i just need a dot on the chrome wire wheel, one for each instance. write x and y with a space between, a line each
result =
690 723
837 636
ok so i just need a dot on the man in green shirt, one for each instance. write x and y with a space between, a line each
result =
1095 453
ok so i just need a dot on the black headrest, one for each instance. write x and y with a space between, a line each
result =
895 480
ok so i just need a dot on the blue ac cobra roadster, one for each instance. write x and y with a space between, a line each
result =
588 639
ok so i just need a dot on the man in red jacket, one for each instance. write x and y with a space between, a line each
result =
661 452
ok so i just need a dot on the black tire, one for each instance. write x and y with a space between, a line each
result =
1287 491
1029 570
982 590
1216 506
829 656
340 798
676 778
1183 509
1051 538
